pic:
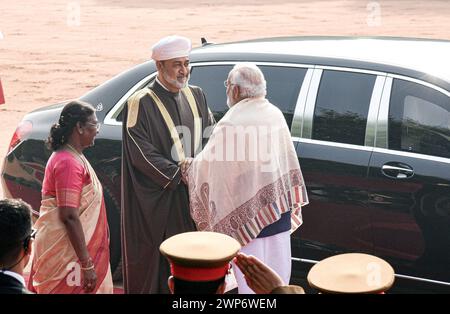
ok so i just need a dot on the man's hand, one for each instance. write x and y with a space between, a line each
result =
184 166
259 277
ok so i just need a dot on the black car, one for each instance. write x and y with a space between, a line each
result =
369 117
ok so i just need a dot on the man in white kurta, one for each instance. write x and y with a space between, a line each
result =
247 181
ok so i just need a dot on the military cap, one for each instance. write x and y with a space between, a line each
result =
200 255
351 273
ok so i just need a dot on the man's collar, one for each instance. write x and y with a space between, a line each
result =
15 276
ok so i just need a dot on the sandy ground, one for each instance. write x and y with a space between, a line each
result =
52 50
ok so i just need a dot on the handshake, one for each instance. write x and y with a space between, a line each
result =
184 166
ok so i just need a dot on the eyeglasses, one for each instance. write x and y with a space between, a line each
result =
226 84
95 124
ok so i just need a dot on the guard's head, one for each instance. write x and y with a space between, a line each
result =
199 261
171 55
15 233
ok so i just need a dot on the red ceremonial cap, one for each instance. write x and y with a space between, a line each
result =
200 255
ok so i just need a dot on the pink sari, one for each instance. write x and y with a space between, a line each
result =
70 181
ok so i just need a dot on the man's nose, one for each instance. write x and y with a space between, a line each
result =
184 69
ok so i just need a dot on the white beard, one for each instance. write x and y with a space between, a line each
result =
175 81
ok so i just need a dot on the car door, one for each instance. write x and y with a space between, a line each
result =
334 148
409 179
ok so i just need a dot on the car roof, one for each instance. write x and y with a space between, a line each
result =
422 55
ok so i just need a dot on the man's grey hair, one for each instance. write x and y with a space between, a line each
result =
249 78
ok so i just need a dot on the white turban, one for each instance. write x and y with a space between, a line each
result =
171 47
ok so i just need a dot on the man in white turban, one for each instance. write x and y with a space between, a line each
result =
163 124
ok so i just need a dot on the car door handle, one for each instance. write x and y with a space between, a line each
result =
387 167
397 170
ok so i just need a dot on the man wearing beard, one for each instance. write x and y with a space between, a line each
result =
163 125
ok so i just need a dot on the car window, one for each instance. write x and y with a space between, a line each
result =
342 106
210 78
419 119
283 85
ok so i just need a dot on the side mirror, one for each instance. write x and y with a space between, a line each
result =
2 97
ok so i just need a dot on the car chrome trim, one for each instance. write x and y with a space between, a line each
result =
417 81
372 115
381 135
387 167
279 64
411 155
344 69
297 121
334 144
311 103
432 281
110 118
304 260
438 282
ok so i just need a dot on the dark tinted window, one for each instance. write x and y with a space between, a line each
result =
210 79
283 85
419 119
342 106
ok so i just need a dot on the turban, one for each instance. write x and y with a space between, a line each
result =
171 47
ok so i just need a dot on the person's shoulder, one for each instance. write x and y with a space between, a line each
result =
11 285
62 155
275 110
273 107
139 101
139 95
63 159
199 95
14 290
196 90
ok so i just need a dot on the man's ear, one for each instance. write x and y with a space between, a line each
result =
30 247
159 65
236 93
170 283
28 253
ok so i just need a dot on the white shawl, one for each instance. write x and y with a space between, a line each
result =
248 173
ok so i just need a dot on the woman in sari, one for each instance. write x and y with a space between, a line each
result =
72 243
